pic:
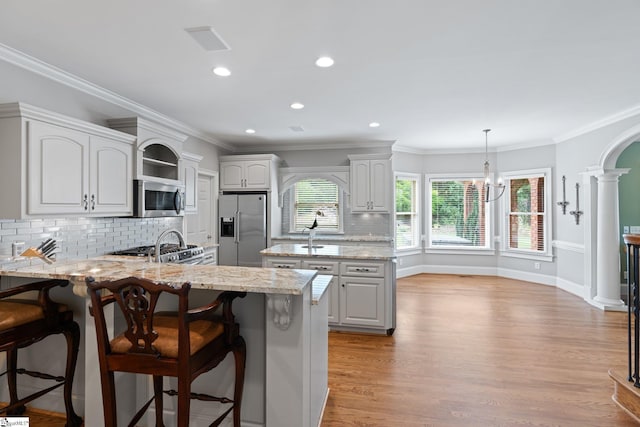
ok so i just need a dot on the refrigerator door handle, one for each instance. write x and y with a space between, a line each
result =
236 230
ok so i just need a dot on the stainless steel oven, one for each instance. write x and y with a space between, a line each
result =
153 199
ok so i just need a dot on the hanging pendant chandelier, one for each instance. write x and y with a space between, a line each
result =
498 188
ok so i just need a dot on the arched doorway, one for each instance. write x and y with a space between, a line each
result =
602 241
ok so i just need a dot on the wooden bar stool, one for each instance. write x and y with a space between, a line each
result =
182 344
24 322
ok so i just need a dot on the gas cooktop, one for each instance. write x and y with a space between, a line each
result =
169 252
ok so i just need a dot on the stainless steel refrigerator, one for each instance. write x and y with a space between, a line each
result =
243 228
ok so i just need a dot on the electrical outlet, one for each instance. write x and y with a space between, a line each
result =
17 248
536 265
399 261
625 275
625 229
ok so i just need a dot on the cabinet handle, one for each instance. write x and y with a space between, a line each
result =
321 267
93 202
85 202
365 270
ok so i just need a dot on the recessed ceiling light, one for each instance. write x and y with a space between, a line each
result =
250 131
374 125
324 62
221 71
297 106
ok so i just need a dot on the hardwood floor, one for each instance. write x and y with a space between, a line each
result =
480 351
477 351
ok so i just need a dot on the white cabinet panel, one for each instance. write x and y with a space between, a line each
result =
371 185
362 301
58 179
111 168
245 175
189 177
328 267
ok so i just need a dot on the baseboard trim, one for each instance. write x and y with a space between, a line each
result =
571 287
543 279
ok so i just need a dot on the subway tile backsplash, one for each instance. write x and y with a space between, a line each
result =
83 237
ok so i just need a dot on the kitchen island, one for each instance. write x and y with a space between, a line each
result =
362 294
283 320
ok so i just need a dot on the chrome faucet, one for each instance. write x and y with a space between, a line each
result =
163 235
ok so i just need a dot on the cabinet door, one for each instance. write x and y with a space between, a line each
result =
257 174
190 181
231 175
381 185
58 169
360 186
362 301
111 177
328 267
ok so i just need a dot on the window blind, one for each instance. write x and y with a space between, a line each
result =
316 199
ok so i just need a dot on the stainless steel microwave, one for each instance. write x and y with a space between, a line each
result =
153 199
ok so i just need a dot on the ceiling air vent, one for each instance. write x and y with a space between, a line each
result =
296 128
207 38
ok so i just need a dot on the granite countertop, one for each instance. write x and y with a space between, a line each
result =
222 278
336 237
331 251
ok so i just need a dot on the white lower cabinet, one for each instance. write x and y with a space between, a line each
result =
361 295
328 267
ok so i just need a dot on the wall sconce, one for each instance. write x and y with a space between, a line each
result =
564 201
577 212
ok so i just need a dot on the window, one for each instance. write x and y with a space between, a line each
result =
459 215
407 212
527 218
316 200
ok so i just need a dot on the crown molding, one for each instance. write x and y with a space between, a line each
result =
30 63
26 111
313 145
598 124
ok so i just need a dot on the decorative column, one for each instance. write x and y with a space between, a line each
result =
608 241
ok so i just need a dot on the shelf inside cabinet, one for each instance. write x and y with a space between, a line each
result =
158 162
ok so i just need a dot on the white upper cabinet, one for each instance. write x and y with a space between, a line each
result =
158 149
59 169
371 183
247 173
189 177
110 177
53 165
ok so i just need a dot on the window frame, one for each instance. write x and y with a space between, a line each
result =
292 207
489 249
505 250
417 211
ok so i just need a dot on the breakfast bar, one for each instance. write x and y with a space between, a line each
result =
283 319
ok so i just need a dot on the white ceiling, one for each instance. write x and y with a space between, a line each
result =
433 73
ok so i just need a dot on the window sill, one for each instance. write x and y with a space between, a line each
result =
408 251
526 255
460 251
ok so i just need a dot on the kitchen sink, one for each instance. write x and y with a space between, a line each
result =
313 246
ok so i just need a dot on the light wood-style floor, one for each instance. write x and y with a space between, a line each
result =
480 351
477 351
